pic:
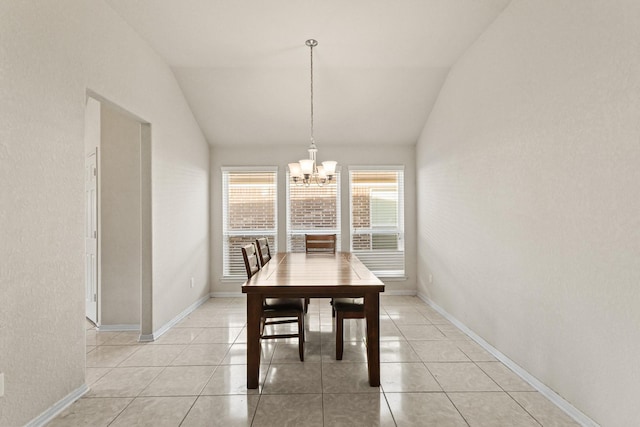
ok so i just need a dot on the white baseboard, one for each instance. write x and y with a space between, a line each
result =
118 328
58 407
157 334
146 338
571 410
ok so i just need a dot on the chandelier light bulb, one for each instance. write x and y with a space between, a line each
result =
306 165
329 167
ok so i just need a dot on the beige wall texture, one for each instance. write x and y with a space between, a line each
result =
529 198
280 156
52 53
120 221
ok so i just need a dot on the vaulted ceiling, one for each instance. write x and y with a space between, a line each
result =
245 69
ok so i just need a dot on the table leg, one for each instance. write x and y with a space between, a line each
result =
372 315
254 310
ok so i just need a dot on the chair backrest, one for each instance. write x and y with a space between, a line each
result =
250 257
263 250
320 243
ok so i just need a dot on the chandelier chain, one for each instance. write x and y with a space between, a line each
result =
311 47
307 171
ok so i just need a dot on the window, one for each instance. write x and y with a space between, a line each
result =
310 210
377 219
249 211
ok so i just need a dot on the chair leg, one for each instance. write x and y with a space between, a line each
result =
333 310
306 304
301 336
339 337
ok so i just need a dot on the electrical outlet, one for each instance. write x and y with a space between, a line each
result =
1 384
430 278
193 282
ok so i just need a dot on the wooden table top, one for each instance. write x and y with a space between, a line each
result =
341 272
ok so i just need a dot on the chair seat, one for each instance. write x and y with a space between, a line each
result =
289 310
283 304
348 304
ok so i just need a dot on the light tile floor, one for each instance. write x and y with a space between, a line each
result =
432 374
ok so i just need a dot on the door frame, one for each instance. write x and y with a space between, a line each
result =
95 317
146 244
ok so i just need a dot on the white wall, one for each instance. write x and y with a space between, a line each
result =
529 198
52 53
280 156
120 219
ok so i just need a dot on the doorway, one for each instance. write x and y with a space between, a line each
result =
118 218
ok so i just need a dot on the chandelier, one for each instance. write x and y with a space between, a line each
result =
307 171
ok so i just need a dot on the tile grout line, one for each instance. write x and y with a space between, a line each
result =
229 310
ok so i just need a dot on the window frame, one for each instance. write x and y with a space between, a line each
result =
272 234
368 257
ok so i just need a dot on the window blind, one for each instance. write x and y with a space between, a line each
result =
312 210
249 211
377 219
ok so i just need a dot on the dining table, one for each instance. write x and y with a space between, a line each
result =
313 275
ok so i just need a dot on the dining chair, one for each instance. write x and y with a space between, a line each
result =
251 262
264 252
285 310
345 308
319 243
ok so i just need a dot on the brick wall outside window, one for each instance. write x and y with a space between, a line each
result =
249 212
377 226
312 209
